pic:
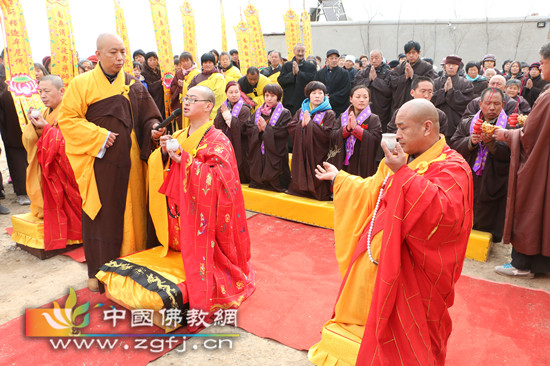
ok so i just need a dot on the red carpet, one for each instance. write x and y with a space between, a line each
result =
297 281
76 254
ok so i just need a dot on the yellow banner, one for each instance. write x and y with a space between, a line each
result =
242 32
224 32
164 47
292 31
64 59
189 32
258 43
20 75
122 31
306 32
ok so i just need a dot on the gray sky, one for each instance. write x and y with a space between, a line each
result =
92 17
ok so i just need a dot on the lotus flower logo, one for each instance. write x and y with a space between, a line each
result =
22 84
65 318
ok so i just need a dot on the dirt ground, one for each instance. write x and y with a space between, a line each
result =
29 282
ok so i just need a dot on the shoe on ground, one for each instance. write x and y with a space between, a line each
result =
511 271
23 200
93 284
4 210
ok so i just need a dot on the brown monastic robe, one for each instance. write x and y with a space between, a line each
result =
363 160
269 170
310 147
491 186
401 86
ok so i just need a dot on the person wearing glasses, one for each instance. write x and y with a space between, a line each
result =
197 207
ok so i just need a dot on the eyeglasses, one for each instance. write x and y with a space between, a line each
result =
193 101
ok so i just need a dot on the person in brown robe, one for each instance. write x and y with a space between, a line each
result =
267 139
479 81
401 77
452 93
497 81
232 118
490 162
107 117
310 131
422 87
512 90
153 78
185 66
359 135
375 77
535 84
528 208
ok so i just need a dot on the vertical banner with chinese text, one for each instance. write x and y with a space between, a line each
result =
164 47
122 31
63 51
224 31
20 75
306 32
189 33
242 31
292 32
257 37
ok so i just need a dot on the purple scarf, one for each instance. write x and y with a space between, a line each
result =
350 142
479 164
318 117
272 121
235 110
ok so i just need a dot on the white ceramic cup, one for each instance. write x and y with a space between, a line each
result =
172 145
35 113
389 139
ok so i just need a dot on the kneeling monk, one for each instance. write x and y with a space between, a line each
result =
201 212
401 238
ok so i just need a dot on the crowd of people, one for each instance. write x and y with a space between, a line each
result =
465 151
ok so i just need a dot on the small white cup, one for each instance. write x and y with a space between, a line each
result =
390 140
35 113
172 145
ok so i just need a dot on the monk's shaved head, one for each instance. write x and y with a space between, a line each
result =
56 81
417 126
105 40
205 93
421 110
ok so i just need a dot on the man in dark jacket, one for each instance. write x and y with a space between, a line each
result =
337 81
295 75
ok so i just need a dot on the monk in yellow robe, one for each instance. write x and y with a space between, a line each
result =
212 79
401 238
252 84
106 118
230 71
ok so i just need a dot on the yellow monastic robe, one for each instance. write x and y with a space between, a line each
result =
341 336
186 81
84 140
233 74
216 83
259 90
273 78
34 172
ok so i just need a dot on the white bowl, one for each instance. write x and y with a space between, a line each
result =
35 113
172 145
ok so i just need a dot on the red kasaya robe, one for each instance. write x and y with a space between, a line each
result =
62 202
426 219
214 240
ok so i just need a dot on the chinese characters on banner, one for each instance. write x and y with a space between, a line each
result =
292 32
189 34
224 32
306 32
257 37
242 32
122 31
164 47
64 59
20 75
